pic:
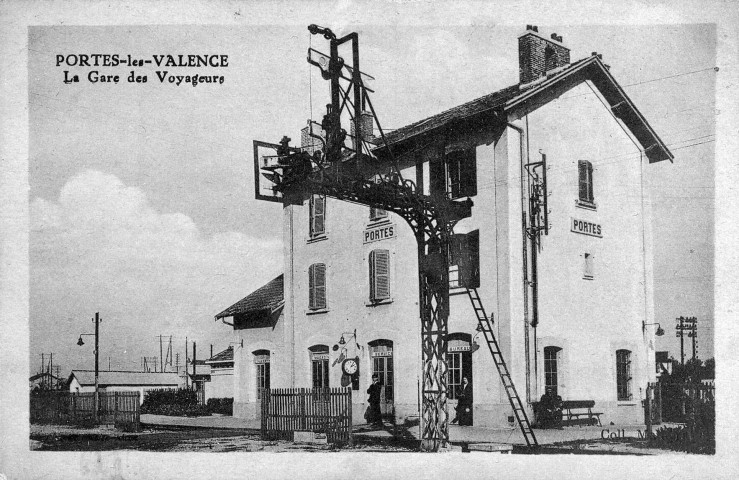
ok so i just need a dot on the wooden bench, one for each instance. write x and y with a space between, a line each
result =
576 412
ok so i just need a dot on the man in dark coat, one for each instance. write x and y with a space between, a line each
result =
464 403
550 410
374 416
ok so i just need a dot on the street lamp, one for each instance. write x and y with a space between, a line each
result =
659 331
97 321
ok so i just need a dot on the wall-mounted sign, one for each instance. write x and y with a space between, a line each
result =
381 353
585 228
381 232
319 356
261 359
458 348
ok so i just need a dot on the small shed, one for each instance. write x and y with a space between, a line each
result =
81 381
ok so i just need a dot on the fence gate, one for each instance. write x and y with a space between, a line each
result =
319 410
114 408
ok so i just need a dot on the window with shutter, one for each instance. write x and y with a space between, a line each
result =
317 215
317 286
585 181
379 266
461 170
623 374
464 260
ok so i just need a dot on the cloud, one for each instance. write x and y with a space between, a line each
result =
101 246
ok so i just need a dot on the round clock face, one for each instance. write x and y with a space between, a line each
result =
350 366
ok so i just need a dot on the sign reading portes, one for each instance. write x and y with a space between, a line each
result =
378 233
585 228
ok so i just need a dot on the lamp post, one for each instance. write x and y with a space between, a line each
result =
97 321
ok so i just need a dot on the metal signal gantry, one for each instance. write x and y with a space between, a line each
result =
355 175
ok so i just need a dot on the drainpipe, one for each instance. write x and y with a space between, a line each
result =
524 249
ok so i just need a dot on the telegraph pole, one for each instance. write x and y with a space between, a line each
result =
97 338
682 353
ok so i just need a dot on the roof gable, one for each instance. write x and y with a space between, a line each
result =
266 298
531 96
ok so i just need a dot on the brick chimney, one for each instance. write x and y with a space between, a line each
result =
538 54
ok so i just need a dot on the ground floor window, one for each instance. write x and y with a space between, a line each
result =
261 364
551 367
319 365
623 374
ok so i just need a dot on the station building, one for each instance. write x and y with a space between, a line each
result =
577 317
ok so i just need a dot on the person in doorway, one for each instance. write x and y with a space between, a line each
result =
374 416
550 410
464 403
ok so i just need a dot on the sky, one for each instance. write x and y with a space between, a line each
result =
141 195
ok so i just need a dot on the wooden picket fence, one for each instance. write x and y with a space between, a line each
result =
319 410
114 408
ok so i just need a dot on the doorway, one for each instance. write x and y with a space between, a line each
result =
381 356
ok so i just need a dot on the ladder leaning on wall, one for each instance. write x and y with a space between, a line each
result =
486 326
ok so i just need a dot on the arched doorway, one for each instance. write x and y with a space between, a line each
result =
459 363
261 376
381 356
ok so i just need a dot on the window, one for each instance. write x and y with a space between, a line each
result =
379 275
551 359
317 286
459 362
464 260
461 173
623 374
377 214
261 362
585 176
319 365
454 378
588 266
317 215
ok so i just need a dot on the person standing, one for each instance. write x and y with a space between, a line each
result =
374 416
464 403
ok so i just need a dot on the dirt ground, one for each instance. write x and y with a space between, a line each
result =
68 438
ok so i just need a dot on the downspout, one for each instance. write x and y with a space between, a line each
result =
291 264
524 249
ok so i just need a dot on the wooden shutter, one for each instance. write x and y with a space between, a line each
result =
468 173
469 269
317 286
379 264
317 215
590 182
582 171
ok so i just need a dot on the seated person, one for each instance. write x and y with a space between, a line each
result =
550 410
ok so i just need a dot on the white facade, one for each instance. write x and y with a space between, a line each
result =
594 270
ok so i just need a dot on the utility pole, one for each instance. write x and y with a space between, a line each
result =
161 357
682 353
97 344
187 372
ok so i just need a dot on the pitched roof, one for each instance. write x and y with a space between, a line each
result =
590 68
225 356
106 378
266 298
479 105
43 374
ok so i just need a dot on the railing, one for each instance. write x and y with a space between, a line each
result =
114 408
318 410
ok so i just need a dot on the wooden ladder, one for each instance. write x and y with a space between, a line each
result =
486 326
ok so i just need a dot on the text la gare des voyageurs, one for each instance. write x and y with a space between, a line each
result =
164 62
